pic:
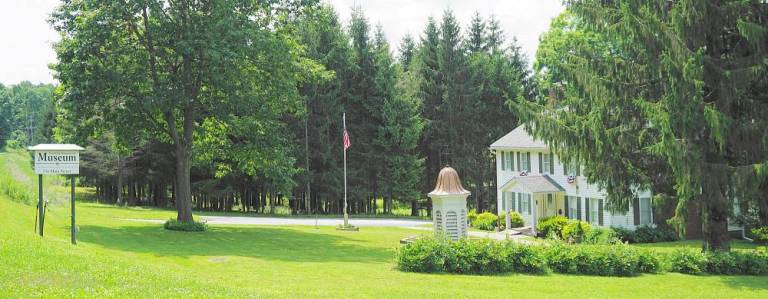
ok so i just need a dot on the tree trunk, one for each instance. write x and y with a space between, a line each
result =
183 191
714 210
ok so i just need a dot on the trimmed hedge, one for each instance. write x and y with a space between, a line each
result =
727 263
618 260
469 257
646 234
491 257
194 226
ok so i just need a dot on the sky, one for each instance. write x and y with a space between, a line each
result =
26 37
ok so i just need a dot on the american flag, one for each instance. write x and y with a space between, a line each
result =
347 143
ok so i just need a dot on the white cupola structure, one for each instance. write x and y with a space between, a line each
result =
449 205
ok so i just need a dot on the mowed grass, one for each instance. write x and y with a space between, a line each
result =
122 258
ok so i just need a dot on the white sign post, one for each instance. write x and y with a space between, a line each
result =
60 159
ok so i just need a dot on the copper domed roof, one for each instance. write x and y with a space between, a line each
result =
448 182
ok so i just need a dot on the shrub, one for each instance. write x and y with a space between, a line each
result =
761 234
575 230
601 236
687 261
485 221
423 255
551 226
516 220
624 234
471 216
603 260
194 226
648 262
648 234
736 263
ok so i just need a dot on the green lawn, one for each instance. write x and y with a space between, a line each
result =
119 258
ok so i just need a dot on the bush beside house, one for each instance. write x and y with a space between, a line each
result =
489 221
761 234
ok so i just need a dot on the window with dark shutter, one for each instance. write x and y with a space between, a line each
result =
504 201
518 162
636 210
512 199
503 160
600 212
541 166
578 208
528 161
586 208
567 199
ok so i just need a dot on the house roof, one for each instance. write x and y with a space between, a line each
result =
55 147
448 183
535 184
518 138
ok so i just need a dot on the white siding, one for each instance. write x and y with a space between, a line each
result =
579 188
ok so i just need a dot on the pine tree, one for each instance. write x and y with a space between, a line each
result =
401 128
651 88
327 43
476 34
406 51
430 92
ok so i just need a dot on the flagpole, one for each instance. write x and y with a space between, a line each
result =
343 148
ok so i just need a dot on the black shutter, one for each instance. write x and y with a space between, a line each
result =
528 159
541 170
600 212
504 201
578 208
586 208
636 210
518 161
565 167
551 163
503 159
566 206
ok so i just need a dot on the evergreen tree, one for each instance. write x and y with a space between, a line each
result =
495 35
430 85
327 43
364 161
652 81
400 130
476 35
406 51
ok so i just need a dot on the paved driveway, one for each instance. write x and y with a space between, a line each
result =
280 221
311 221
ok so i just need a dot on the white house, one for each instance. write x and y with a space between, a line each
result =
534 182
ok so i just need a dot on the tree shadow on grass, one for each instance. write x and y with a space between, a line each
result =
269 243
746 282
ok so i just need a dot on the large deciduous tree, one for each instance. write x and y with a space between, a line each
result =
643 90
161 68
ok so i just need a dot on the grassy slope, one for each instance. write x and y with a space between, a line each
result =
128 259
